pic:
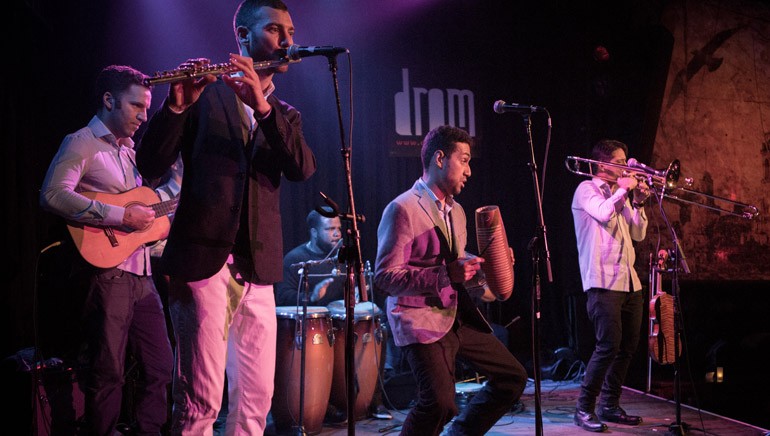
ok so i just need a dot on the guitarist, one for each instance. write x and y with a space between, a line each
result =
123 311
607 223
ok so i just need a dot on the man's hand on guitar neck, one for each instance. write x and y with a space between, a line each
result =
138 216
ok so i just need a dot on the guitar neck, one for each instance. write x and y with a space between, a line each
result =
164 207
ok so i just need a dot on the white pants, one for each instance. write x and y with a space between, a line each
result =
223 324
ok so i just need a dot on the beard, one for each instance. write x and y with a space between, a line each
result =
327 247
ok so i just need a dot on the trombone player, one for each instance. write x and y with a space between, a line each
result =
608 213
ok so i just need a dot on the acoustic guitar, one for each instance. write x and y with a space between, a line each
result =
107 247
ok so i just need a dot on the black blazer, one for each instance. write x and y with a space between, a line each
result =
219 162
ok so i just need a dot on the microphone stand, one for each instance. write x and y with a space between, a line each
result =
677 428
353 261
537 245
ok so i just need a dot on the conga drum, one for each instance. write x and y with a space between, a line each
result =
319 367
368 349
464 393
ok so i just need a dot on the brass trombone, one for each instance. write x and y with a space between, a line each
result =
664 184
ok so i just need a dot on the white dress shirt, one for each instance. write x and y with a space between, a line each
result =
605 227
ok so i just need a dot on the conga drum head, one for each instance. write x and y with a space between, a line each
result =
364 310
295 312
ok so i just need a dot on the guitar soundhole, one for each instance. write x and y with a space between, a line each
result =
142 230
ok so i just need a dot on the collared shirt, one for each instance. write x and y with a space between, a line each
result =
605 227
91 160
444 207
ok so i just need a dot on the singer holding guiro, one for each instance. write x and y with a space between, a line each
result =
422 267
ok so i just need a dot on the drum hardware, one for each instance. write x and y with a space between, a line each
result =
300 341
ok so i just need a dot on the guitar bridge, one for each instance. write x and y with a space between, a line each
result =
111 236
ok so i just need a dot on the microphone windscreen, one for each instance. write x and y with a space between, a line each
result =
498 106
493 247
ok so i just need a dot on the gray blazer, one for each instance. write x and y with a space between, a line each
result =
413 250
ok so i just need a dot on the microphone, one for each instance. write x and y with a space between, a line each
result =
633 163
326 260
309 263
295 52
335 211
502 107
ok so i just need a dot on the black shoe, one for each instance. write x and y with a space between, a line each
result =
588 421
618 416
379 412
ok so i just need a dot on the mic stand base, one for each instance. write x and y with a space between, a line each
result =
678 429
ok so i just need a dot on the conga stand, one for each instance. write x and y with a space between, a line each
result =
677 428
538 245
353 259
299 429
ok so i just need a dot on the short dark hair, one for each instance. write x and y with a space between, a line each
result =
246 13
603 149
116 79
314 219
444 138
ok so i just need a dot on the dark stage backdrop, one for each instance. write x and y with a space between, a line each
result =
412 65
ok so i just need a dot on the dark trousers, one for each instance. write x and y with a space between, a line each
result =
433 366
123 313
617 320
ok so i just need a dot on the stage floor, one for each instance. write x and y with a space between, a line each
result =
558 405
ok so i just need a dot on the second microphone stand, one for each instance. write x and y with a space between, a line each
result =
537 246
353 260
677 428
